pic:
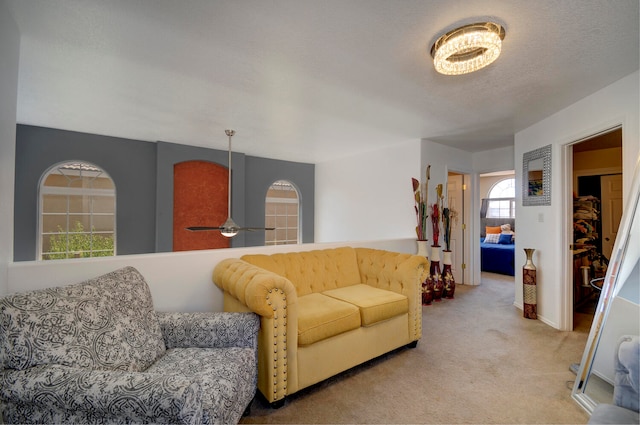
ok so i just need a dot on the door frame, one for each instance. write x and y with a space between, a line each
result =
566 315
468 181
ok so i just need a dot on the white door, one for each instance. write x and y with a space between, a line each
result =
455 194
611 192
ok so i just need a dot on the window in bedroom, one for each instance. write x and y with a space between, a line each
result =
282 211
77 212
502 202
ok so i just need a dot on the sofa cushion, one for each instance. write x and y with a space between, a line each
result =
227 377
312 271
104 323
375 304
321 317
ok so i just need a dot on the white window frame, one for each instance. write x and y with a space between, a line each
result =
511 208
84 168
274 240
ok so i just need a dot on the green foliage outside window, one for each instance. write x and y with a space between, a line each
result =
78 244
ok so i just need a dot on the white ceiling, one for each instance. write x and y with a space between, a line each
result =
310 80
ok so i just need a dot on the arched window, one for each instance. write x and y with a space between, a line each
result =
282 211
77 212
502 203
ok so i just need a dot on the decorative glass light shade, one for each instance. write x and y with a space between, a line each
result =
468 48
229 228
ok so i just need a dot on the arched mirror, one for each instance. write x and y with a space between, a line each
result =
617 312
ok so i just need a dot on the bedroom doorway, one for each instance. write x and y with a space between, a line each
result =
498 223
595 215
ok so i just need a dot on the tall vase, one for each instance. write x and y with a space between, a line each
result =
427 291
447 275
529 283
435 275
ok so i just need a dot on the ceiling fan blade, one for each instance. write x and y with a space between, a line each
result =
202 228
253 229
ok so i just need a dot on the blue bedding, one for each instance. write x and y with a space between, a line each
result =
497 258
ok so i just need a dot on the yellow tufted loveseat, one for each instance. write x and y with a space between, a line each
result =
324 311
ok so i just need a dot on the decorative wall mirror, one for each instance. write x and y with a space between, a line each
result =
617 311
536 177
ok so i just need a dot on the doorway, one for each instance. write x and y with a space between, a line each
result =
497 215
595 217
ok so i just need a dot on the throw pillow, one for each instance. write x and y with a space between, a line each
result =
495 229
492 238
505 239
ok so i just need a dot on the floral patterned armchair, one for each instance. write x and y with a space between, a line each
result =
97 352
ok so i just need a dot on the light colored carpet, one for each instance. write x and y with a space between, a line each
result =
478 362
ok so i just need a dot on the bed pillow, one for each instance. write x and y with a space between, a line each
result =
505 239
492 230
492 238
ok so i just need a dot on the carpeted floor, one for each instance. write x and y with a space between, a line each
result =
478 362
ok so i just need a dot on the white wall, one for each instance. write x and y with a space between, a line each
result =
10 56
545 227
178 281
368 196
494 160
487 183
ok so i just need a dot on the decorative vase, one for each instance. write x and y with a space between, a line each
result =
422 248
530 310
435 275
447 275
427 291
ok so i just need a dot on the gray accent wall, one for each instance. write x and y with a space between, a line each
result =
143 175
261 174
130 163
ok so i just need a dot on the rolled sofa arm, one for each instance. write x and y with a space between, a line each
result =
209 330
274 299
63 394
252 285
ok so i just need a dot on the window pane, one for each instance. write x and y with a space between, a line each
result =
103 204
503 189
54 203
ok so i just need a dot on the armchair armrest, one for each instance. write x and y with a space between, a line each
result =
62 394
209 330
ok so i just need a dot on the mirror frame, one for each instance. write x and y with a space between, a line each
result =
610 288
543 153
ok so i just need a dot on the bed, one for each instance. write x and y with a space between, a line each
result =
498 257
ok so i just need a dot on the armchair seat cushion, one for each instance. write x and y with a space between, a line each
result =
321 317
225 376
375 304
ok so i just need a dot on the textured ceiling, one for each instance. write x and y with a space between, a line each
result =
310 80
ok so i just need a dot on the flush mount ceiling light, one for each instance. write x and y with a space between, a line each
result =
468 48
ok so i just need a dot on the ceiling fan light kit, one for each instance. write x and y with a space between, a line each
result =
229 228
468 48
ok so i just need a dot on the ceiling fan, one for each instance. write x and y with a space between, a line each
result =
229 228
